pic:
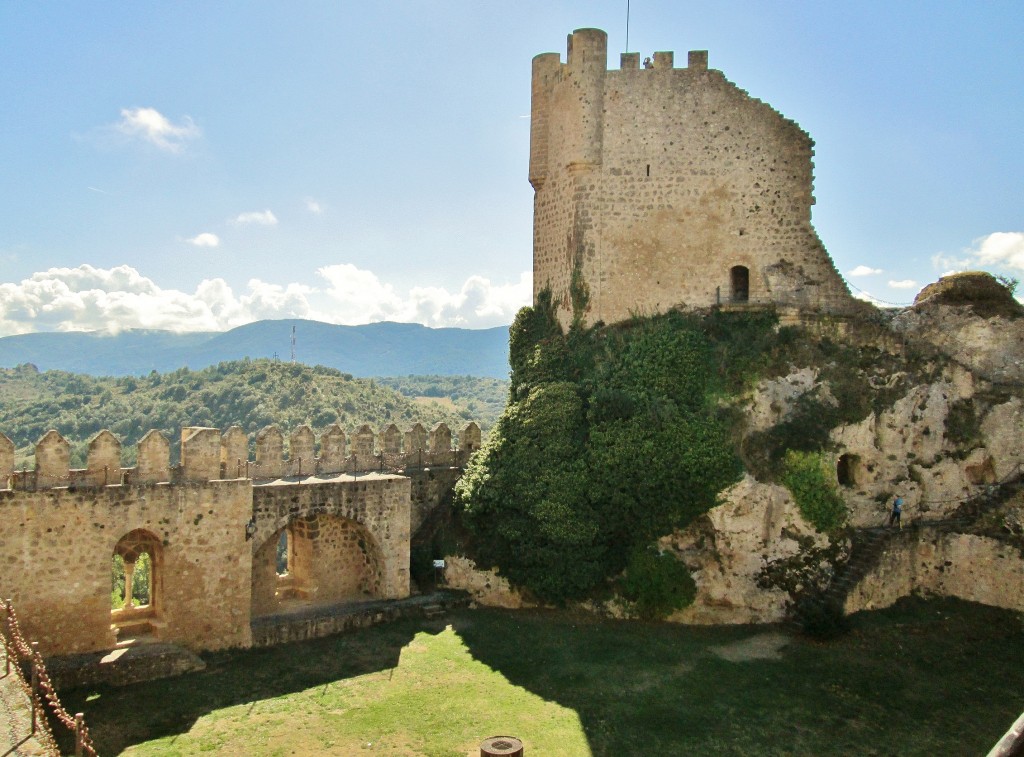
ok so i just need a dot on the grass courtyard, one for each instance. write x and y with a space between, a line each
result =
922 678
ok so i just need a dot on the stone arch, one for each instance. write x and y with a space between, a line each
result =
739 283
329 559
139 615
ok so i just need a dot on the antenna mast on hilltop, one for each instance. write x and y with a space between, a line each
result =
293 343
627 26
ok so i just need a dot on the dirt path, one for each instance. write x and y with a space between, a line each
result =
764 646
16 718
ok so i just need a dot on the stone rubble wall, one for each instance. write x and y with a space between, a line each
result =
212 536
378 504
486 587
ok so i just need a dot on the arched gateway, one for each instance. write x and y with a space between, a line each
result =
323 543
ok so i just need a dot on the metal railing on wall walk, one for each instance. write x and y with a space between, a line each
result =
29 479
43 697
376 462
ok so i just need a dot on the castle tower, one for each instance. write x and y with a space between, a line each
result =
661 187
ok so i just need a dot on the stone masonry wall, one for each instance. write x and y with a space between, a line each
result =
350 529
379 503
656 183
56 548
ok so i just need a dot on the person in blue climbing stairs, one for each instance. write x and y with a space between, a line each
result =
897 511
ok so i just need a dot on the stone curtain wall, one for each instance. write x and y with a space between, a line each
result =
379 504
56 548
657 183
59 527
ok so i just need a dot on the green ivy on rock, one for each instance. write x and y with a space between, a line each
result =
610 440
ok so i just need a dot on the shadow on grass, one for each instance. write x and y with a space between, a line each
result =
924 677
119 717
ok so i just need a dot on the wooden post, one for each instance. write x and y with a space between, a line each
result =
79 735
35 682
7 637
501 746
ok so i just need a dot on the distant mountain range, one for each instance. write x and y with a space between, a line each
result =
376 349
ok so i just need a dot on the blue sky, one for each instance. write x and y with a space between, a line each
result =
198 165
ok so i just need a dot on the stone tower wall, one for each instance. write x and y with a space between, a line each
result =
654 184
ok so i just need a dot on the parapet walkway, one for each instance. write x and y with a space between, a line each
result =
16 736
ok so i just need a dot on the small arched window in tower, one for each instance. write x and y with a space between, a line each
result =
648 169
847 469
739 279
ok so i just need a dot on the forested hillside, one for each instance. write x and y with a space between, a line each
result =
484 398
249 393
374 349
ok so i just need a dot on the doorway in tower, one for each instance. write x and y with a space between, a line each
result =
739 280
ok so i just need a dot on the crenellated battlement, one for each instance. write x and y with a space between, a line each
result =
209 454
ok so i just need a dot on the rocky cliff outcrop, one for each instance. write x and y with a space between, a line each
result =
950 432
927 403
728 548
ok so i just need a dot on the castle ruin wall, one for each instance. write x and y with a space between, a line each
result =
967 566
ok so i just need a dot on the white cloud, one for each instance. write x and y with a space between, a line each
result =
206 239
1003 248
903 284
264 218
150 125
360 297
313 206
96 299
863 270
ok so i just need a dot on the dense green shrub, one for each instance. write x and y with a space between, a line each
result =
609 441
657 583
809 480
963 424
